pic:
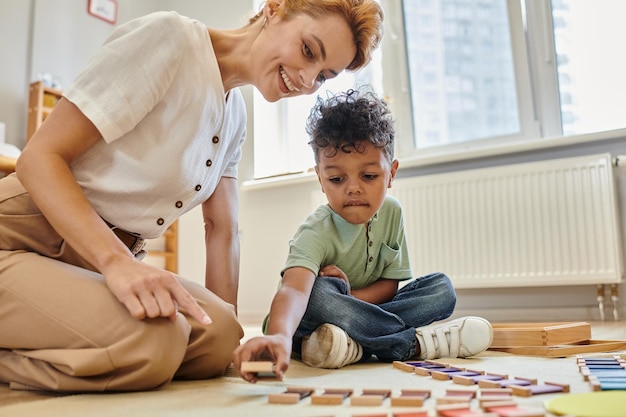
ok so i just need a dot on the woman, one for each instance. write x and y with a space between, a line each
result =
152 127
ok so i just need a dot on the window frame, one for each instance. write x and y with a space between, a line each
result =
537 93
394 52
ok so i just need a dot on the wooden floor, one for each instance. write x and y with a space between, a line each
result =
607 330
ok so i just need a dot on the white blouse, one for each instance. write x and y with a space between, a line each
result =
169 130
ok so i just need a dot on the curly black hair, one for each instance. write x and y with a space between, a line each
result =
344 121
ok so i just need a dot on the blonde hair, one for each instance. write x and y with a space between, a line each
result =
365 18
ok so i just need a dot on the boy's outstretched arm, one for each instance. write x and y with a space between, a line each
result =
288 307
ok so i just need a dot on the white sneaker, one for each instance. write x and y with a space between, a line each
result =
330 347
459 338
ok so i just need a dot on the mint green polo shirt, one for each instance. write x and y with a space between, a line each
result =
364 252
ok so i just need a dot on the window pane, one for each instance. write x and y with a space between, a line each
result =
461 70
590 65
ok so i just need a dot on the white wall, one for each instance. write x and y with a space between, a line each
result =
63 38
15 25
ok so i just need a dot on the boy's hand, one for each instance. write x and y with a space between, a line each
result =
276 348
335 272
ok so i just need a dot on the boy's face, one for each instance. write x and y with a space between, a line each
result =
356 183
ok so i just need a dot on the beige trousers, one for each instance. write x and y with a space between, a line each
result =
61 329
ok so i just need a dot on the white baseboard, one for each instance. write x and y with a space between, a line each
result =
544 314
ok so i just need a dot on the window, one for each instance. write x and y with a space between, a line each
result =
590 68
468 78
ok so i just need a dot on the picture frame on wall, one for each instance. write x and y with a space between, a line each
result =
103 9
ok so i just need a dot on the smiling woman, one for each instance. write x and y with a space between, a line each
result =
300 54
303 50
129 161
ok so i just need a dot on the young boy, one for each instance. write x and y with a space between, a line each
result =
339 301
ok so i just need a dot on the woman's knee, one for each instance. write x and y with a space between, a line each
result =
151 357
211 347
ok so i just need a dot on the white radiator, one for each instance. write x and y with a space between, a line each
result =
534 224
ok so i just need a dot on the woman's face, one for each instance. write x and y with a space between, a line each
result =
294 57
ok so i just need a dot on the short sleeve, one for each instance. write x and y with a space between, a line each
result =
130 73
309 247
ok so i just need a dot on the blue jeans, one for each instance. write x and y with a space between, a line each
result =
386 330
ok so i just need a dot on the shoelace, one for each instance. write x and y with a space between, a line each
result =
437 340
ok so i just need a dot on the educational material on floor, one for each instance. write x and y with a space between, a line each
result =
604 373
553 339
539 334
524 387
591 404
412 395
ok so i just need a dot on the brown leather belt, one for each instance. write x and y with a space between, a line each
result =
133 241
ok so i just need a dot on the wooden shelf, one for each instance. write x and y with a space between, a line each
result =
166 248
41 101
171 248
7 164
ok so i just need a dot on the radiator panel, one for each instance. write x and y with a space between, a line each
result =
535 224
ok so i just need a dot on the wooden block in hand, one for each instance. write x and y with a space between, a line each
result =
262 369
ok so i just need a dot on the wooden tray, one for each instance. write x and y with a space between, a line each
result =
559 351
539 334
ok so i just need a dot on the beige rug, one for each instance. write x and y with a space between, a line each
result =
230 396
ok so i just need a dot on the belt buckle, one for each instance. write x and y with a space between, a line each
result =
138 245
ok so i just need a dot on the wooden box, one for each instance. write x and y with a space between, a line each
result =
561 351
539 334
